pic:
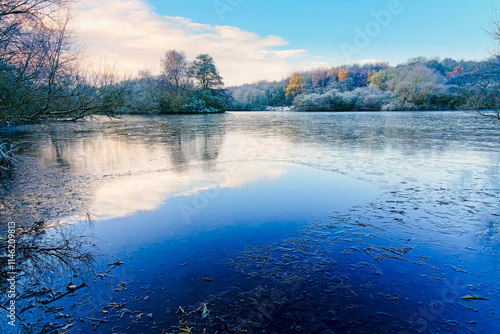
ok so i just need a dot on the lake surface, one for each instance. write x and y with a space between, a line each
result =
258 222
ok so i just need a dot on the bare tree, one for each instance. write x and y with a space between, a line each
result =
41 73
495 35
175 74
175 82
481 87
480 90
18 17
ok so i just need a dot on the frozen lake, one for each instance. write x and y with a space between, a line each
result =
259 222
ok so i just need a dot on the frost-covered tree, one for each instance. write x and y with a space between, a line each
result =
190 87
175 72
480 86
41 75
204 71
415 83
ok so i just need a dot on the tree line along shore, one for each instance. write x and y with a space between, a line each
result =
43 77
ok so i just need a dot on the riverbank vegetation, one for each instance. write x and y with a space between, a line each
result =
43 77
419 84
41 73
181 87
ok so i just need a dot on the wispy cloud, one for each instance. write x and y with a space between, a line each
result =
370 61
130 33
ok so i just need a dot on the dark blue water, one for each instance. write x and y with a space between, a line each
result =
261 223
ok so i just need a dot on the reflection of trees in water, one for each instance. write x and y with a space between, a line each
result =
58 151
197 141
65 152
58 158
43 254
105 146
108 146
50 265
406 132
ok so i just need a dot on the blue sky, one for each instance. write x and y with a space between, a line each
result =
273 38
446 28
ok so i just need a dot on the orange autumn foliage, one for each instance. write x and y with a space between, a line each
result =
343 74
294 86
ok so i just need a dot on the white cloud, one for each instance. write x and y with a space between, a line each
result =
348 61
370 61
131 34
146 192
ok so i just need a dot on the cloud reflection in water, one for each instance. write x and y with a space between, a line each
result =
145 192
